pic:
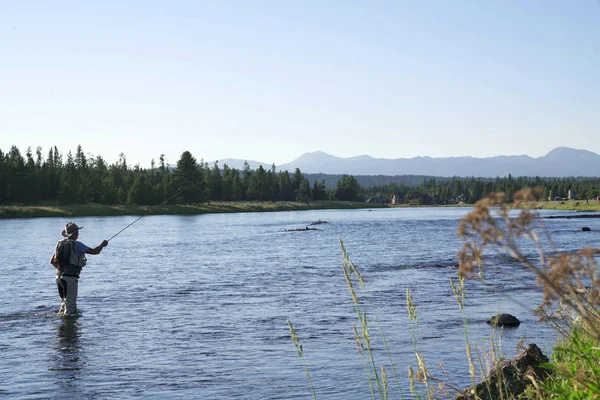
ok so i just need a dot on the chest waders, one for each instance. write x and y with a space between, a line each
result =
67 280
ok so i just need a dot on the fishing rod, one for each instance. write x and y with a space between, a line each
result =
151 209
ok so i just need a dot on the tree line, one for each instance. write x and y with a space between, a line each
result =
470 190
80 178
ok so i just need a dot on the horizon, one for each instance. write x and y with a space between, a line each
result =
171 163
383 158
272 81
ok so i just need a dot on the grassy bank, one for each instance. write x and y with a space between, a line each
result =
91 210
94 210
569 205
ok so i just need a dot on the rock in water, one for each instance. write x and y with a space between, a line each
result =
504 320
300 229
509 379
585 229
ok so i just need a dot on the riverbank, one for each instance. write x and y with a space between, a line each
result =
102 210
567 205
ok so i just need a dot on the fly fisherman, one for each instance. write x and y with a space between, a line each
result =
68 259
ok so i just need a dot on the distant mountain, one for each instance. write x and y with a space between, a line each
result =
560 162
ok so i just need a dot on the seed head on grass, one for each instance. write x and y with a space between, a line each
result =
365 328
296 339
412 309
471 363
411 379
385 382
519 346
358 340
421 375
459 291
350 270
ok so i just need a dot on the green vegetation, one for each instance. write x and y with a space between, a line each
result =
85 179
439 191
568 205
82 179
575 369
571 287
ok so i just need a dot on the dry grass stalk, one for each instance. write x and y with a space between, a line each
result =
569 279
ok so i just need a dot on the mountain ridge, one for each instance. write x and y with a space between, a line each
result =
559 162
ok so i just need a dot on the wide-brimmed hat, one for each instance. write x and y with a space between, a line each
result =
70 229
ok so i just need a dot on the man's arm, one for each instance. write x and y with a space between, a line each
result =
53 260
98 249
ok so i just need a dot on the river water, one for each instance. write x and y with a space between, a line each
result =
197 306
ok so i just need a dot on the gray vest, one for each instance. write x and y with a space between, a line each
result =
76 261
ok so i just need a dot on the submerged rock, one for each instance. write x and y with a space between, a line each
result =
301 229
319 222
509 379
504 320
585 229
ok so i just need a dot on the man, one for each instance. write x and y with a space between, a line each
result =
67 272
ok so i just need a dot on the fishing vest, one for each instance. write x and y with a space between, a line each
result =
76 262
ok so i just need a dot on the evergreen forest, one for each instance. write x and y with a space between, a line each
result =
51 177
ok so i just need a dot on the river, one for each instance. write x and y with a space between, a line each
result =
197 306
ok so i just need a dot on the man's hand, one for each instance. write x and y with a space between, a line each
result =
98 249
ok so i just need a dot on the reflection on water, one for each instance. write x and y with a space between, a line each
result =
68 335
67 358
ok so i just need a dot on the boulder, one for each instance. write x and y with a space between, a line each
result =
509 379
504 320
585 229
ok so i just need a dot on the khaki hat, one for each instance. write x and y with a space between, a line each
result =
70 229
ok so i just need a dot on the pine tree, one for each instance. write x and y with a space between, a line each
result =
188 178
216 183
3 178
227 183
303 195
347 189
319 190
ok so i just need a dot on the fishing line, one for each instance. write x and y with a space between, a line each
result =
151 209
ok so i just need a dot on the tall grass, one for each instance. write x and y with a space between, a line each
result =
377 382
300 352
570 284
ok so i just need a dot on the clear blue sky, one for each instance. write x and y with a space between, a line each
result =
270 80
